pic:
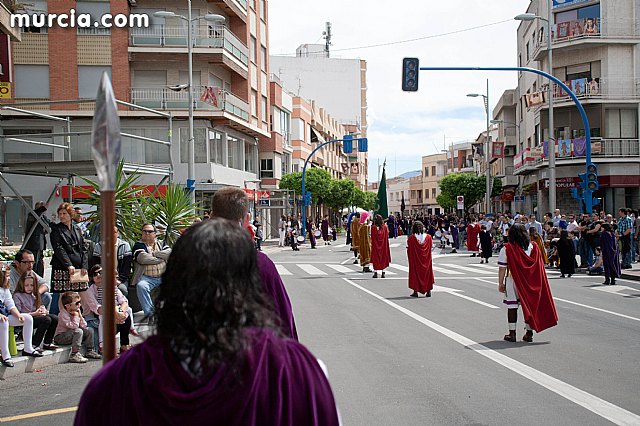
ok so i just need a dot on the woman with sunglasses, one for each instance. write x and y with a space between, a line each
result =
10 316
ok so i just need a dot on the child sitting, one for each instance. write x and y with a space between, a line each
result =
597 268
28 302
72 328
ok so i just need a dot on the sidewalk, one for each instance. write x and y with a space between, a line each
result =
633 273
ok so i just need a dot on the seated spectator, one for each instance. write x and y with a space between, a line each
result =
24 262
123 315
124 259
72 328
597 268
215 332
27 300
10 316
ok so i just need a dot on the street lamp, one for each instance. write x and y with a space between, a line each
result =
552 139
487 197
210 17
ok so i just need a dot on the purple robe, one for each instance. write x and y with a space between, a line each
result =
610 258
281 383
274 287
454 234
393 228
324 228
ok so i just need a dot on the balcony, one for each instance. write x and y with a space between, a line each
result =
204 99
233 7
572 152
587 32
206 40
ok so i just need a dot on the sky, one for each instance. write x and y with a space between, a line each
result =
405 126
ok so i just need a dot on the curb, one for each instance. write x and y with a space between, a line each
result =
631 277
25 364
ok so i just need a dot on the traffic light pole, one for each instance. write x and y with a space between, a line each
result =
304 172
588 192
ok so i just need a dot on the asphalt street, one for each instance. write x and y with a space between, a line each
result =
397 360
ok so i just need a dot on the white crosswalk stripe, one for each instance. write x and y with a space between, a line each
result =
282 270
340 245
311 270
394 245
464 268
447 271
340 268
400 267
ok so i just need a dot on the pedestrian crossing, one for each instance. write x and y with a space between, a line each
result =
442 270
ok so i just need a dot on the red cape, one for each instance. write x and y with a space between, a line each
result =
472 237
421 277
380 253
532 285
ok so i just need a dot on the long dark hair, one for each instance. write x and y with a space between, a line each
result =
210 294
417 227
519 236
377 220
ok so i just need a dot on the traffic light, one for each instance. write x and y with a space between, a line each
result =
410 70
347 144
592 177
583 181
363 145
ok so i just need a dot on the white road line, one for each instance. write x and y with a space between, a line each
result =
311 270
340 268
596 309
400 267
394 245
602 408
456 292
282 270
347 260
464 268
615 289
340 246
447 271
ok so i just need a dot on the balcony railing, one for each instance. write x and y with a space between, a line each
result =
214 36
600 88
570 150
204 98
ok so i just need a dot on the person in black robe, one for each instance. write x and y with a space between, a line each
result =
610 255
486 244
567 255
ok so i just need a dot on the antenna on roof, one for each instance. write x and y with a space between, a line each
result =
327 36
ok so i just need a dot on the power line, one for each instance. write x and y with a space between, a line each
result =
425 37
391 43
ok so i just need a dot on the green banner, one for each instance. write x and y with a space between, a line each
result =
381 200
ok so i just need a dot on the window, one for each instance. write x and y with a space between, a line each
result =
433 193
39 9
88 79
252 50
18 152
391 197
433 170
199 138
426 172
249 157
266 168
263 58
254 103
527 50
286 164
235 152
96 9
155 153
264 109
426 194
262 10
216 147
32 81
622 123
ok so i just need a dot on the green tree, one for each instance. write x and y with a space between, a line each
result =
341 192
317 181
369 200
358 198
472 187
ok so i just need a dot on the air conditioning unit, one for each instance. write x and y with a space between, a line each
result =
509 151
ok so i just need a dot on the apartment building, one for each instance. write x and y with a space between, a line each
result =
55 67
339 85
434 167
397 191
596 52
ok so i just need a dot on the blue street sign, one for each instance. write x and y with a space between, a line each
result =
264 202
519 198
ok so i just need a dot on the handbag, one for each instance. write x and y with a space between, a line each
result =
61 281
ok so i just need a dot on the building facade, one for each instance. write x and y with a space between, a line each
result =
596 52
434 167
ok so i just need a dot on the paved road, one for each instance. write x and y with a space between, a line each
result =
396 360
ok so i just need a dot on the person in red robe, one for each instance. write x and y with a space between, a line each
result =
419 246
380 253
473 230
523 280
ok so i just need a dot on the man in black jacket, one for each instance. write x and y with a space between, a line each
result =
38 241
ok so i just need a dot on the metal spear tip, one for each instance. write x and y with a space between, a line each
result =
105 135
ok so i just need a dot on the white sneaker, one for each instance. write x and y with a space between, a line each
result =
93 354
77 358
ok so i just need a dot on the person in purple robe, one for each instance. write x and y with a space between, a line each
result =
455 245
393 227
324 229
610 257
232 203
217 356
